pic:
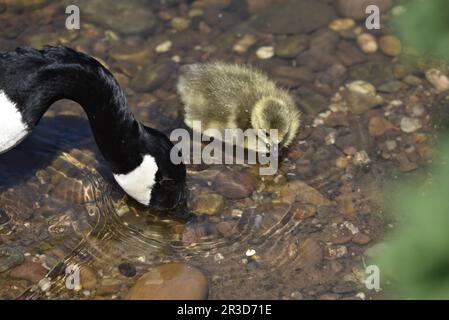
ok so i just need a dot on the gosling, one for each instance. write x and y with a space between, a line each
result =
230 96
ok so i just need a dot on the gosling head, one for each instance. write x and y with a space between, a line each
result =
279 114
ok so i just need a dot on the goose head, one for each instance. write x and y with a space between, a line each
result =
156 181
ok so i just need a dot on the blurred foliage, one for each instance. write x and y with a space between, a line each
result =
425 26
417 257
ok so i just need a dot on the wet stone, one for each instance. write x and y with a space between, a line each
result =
290 47
412 80
342 288
355 9
234 184
349 54
375 72
88 278
221 19
409 125
378 126
324 40
180 24
390 86
404 162
11 30
265 53
225 228
342 24
311 102
208 204
301 74
303 193
316 60
302 212
362 96
152 76
26 4
126 17
243 44
29 270
309 16
127 269
390 46
311 253
172 281
361 238
9 258
439 80
367 43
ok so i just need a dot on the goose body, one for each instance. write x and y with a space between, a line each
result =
139 157
229 96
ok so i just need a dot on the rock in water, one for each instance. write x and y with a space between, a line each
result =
208 204
355 9
295 16
172 281
361 96
152 76
126 17
33 4
290 47
390 45
9 258
31 271
234 184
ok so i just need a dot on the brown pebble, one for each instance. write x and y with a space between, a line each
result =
302 212
311 253
29 270
234 184
390 45
225 228
361 238
171 281
378 126
341 238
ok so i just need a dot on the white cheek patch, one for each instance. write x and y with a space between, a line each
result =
139 182
12 128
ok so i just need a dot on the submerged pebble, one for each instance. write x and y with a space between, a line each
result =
242 46
234 184
208 204
164 47
31 271
290 47
439 80
367 43
9 258
390 45
265 53
409 125
362 96
172 281
342 24
127 269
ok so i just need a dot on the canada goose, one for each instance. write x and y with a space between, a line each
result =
139 157
229 96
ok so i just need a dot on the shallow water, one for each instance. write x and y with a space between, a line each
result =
294 236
